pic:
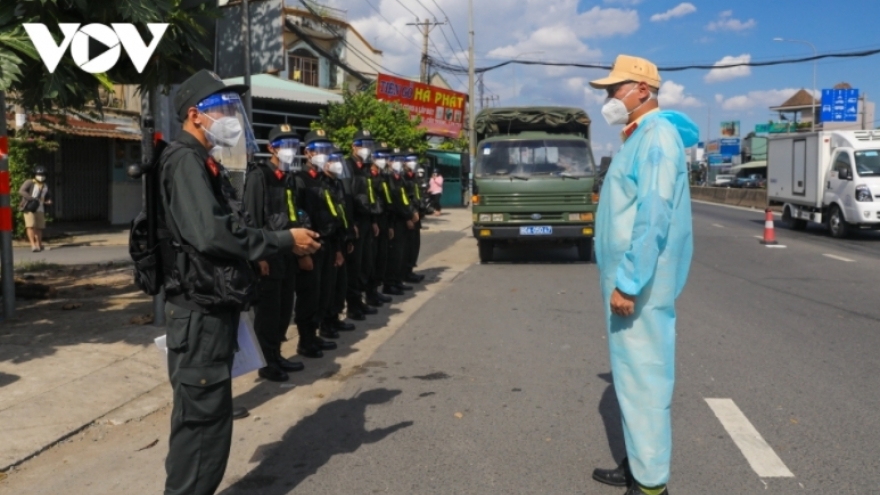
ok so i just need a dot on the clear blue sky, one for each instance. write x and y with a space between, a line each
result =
668 32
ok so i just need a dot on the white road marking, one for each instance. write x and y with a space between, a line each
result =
732 207
777 246
838 258
759 237
719 226
754 448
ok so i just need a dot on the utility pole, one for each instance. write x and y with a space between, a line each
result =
427 25
246 41
472 133
481 89
6 219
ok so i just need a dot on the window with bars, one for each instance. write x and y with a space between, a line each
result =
303 67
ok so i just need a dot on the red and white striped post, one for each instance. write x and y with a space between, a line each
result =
6 219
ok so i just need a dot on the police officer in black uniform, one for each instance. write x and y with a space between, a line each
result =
336 174
414 236
364 207
202 232
379 179
314 282
402 218
271 204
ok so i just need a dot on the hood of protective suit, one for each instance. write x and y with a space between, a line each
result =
687 129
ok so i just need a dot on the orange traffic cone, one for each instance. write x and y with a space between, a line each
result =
769 232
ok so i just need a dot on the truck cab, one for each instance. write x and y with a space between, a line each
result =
853 182
533 179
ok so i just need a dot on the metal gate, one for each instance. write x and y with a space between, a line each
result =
84 179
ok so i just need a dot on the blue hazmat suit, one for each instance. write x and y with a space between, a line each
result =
644 244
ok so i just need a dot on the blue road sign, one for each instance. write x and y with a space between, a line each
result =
840 105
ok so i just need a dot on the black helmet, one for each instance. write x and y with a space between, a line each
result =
40 170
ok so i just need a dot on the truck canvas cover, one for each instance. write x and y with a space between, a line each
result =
515 120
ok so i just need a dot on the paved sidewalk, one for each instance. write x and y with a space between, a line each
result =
61 371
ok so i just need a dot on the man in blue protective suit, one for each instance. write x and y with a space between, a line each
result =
644 243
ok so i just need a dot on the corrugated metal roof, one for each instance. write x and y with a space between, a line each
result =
269 86
72 126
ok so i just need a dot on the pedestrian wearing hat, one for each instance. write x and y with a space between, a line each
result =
207 232
314 289
35 197
270 199
644 243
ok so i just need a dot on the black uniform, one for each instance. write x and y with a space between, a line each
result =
400 210
414 236
209 236
346 237
271 204
382 195
359 263
314 287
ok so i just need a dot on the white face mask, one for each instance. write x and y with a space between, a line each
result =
381 162
396 166
224 132
41 178
363 153
412 165
285 157
319 161
335 168
615 111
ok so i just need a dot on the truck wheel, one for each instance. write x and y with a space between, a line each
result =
486 251
837 223
585 251
793 223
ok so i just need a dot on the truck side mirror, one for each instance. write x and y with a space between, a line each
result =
845 174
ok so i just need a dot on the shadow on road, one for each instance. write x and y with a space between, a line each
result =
338 427
538 254
327 366
609 409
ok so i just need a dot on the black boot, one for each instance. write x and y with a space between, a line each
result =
356 313
273 373
393 290
367 310
324 345
342 326
381 297
309 349
327 331
413 278
287 365
619 476
404 287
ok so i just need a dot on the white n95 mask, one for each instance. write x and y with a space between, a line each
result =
335 168
319 161
286 157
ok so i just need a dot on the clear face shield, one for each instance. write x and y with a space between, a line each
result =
336 167
380 159
397 164
412 162
364 150
285 150
227 129
320 151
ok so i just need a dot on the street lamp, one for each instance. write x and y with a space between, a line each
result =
515 96
815 63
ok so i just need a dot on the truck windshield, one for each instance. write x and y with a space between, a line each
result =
539 157
868 163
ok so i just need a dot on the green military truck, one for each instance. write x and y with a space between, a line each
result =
533 179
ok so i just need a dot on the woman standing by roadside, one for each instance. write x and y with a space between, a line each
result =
34 197
435 190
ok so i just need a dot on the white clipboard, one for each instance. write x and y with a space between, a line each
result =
249 356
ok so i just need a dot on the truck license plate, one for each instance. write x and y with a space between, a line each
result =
539 230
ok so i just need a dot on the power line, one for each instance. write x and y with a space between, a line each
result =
460 45
865 53
358 54
408 9
413 43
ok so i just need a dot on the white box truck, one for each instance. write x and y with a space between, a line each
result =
827 177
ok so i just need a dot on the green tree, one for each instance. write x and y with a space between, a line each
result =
183 47
388 122
459 144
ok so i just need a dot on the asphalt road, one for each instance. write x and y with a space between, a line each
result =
501 383
74 255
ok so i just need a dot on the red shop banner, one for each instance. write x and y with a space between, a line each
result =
441 110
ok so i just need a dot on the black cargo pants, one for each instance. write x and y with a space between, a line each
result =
201 347
355 263
380 253
308 298
413 246
273 310
396 253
